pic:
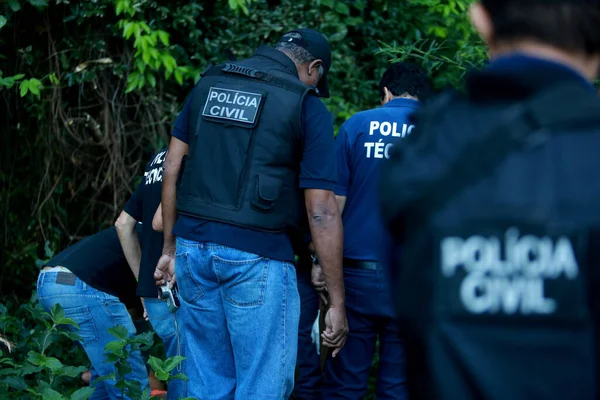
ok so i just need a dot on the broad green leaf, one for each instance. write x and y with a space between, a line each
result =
66 321
57 311
14 382
178 76
82 394
18 77
38 3
164 37
14 5
146 338
342 8
180 377
128 29
35 358
72 372
115 347
53 79
24 87
2 21
51 394
30 369
71 335
52 363
146 57
111 377
119 8
119 331
172 362
162 375
156 364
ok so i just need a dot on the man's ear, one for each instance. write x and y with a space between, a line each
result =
481 20
387 95
313 67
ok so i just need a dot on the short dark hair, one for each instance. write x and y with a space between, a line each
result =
406 77
297 53
570 25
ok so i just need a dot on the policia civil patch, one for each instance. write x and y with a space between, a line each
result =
233 105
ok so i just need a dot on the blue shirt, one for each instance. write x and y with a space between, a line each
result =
362 144
317 171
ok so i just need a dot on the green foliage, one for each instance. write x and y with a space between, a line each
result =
38 374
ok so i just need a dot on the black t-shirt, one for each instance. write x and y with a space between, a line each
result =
142 206
98 260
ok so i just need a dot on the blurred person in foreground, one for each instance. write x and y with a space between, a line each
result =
493 203
362 146
259 162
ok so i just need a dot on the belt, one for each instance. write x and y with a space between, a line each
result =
360 264
55 269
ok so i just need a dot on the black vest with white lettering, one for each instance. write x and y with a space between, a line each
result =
245 145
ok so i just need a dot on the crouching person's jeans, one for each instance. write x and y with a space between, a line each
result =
241 322
95 312
167 327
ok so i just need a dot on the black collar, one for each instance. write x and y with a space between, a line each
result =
511 85
278 57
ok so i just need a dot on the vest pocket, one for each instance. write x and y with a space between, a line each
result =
266 192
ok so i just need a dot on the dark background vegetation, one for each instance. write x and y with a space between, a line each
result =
89 90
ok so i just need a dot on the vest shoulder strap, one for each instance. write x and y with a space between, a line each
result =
282 81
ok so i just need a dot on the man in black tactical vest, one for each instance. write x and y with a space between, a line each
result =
259 157
493 204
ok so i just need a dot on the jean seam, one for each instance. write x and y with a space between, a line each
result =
197 288
285 290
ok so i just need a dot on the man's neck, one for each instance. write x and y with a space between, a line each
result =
585 65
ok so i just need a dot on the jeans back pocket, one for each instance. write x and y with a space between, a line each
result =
243 282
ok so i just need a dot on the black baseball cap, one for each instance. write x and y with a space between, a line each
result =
316 44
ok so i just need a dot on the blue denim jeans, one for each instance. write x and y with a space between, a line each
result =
370 315
309 382
241 322
95 312
167 327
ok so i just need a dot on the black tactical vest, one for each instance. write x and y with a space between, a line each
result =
245 145
497 230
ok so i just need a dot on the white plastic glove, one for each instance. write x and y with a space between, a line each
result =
315 334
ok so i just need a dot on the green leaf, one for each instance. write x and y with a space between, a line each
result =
2 21
71 335
66 321
71 372
111 358
30 369
38 3
115 347
164 37
82 394
179 376
119 331
342 8
24 87
53 79
111 377
53 363
162 375
128 29
119 8
156 364
18 77
35 358
14 382
14 5
178 76
51 394
57 311
172 362
146 338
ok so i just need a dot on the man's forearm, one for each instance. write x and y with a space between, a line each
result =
328 238
169 212
130 243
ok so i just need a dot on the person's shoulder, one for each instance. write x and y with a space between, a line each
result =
313 104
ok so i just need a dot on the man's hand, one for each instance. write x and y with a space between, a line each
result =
318 281
336 329
165 270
